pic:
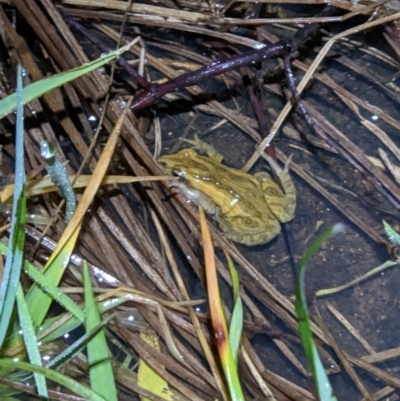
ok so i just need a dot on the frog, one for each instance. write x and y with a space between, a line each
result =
249 209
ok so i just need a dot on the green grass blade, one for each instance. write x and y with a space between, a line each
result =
38 300
73 349
235 328
218 320
51 289
73 323
14 259
236 324
56 377
37 89
31 344
234 276
323 386
101 373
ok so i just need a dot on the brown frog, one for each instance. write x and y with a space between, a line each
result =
248 208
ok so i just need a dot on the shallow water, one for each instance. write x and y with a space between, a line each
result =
371 305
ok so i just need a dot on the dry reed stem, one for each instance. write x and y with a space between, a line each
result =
162 23
394 170
345 363
382 356
348 326
373 370
263 386
382 394
180 16
206 348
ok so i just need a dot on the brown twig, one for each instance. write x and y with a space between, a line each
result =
155 92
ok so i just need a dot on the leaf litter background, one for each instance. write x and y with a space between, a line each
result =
120 236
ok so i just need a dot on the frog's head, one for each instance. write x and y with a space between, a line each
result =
176 164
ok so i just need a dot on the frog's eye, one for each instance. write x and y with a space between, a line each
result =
178 172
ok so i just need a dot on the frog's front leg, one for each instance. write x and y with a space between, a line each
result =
199 198
205 147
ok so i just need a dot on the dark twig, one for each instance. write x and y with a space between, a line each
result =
264 121
320 132
279 49
155 92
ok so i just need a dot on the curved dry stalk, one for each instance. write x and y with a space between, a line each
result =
350 328
258 378
195 320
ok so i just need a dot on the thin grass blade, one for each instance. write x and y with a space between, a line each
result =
56 377
218 316
323 386
37 89
101 373
30 340
39 302
53 291
14 259
72 323
65 356
236 324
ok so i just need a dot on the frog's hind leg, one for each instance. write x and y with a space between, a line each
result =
205 147
281 203
251 232
290 193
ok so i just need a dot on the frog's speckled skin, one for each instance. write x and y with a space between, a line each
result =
248 209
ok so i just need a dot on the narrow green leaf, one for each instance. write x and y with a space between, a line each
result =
37 89
50 288
101 373
218 317
236 324
37 299
57 377
234 276
235 328
73 323
77 346
14 259
31 344
323 386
